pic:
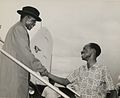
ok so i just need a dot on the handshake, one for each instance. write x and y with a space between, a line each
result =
43 71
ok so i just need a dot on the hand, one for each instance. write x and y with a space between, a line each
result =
43 71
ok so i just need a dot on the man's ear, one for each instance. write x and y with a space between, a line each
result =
94 51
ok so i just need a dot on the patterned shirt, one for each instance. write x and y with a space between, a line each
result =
91 83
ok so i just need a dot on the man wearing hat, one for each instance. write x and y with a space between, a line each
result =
14 79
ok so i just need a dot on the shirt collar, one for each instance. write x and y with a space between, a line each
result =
93 67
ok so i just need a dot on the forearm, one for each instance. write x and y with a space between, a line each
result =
59 80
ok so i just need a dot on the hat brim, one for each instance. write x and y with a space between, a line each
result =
29 13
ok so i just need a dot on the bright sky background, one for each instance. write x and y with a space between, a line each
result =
73 23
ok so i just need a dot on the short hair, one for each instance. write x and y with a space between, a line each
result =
96 47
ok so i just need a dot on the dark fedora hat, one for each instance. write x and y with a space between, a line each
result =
28 10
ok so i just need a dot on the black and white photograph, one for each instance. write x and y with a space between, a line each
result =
59 49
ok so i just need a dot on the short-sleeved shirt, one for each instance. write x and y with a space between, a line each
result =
49 93
91 83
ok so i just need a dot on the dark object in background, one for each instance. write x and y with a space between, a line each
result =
39 89
112 94
119 91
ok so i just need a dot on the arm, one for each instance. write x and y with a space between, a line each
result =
63 81
59 80
108 80
23 52
109 86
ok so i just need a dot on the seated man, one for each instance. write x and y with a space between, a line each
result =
91 80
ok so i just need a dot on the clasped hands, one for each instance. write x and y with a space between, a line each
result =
43 71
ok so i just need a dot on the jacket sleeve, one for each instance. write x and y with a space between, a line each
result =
22 48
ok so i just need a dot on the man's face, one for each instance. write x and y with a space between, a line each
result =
86 52
30 22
